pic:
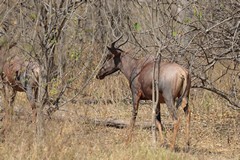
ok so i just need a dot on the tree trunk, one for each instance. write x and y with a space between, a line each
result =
42 92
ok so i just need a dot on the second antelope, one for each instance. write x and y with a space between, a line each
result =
17 75
174 84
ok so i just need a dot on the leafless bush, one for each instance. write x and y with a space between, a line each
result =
69 38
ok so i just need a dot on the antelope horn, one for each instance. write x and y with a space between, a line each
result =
113 44
123 42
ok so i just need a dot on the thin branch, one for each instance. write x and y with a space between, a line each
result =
233 104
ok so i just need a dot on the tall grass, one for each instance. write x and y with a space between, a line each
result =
215 128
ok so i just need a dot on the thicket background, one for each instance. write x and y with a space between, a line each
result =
69 38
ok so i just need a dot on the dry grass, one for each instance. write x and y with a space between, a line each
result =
215 129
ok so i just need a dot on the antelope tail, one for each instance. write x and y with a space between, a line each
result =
185 89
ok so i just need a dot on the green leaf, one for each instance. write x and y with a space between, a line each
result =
33 16
74 54
197 13
187 20
200 15
137 26
174 33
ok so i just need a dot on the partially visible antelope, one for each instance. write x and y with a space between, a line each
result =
174 84
17 75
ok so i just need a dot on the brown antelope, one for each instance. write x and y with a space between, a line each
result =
17 75
174 83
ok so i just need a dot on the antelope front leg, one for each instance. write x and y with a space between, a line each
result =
136 99
8 99
32 96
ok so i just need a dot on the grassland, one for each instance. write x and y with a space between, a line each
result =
215 128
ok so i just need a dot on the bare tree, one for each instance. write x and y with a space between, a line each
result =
41 25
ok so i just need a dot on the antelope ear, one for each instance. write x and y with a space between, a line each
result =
109 48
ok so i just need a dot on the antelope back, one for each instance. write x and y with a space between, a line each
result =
19 72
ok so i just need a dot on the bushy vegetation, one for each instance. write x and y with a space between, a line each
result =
69 38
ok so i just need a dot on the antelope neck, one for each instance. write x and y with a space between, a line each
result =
128 64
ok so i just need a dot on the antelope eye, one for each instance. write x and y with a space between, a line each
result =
108 57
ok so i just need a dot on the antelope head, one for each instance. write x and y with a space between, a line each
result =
112 60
